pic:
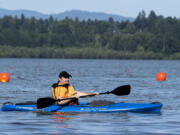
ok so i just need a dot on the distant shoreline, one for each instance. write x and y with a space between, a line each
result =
80 53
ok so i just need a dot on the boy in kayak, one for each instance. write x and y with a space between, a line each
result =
63 89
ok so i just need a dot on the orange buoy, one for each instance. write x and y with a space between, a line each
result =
161 76
4 77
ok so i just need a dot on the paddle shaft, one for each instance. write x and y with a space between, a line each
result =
83 96
72 98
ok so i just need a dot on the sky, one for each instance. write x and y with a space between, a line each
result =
127 8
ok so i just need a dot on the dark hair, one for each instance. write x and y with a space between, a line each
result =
64 74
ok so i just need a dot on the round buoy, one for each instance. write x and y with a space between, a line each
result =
4 77
161 76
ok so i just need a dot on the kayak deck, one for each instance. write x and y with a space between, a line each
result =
85 107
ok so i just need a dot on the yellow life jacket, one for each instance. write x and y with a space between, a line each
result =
63 91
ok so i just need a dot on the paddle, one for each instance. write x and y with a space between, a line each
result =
119 91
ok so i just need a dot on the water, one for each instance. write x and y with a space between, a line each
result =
32 79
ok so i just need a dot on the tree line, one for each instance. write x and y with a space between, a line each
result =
148 37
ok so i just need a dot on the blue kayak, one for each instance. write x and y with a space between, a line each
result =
85 107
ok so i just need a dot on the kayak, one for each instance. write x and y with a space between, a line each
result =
86 107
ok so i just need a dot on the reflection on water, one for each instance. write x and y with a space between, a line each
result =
32 79
60 119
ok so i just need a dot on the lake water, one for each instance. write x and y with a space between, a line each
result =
32 79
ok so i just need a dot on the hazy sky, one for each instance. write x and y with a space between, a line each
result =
128 8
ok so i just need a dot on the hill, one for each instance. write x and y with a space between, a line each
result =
82 15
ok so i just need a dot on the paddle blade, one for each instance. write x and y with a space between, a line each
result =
45 102
122 90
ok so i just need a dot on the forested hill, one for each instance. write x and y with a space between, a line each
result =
148 37
82 15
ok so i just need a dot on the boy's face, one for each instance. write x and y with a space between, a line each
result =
64 80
